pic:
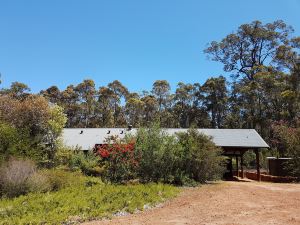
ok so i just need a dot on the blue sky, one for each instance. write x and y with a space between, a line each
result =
62 42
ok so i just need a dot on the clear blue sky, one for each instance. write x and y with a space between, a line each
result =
61 42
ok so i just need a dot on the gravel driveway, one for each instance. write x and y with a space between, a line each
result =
230 203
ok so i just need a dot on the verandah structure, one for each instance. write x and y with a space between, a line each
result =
234 142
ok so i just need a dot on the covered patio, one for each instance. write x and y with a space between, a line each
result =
237 153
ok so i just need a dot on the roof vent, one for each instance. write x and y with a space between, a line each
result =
81 132
129 127
108 132
122 132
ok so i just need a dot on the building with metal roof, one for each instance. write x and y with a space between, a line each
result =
234 142
87 138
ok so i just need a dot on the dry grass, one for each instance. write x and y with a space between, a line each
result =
14 176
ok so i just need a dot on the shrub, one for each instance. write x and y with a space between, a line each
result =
8 139
181 159
53 180
155 156
88 163
39 183
201 159
14 176
34 122
55 125
159 155
64 155
19 177
59 179
118 159
14 142
289 139
250 158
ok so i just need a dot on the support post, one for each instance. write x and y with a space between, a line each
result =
237 165
242 164
230 167
257 165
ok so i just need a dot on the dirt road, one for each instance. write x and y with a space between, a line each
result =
226 203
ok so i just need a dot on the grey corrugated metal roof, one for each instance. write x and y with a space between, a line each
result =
244 138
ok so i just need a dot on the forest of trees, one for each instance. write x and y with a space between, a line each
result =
263 89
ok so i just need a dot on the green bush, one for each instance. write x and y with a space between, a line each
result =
8 139
39 183
15 142
250 158
14 177
53 180
59 179
201 159
159 155
181 159
88 163
289 139
63 156
75 159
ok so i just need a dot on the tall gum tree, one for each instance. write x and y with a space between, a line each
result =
215 95
161 90
119 92
86 92
252 46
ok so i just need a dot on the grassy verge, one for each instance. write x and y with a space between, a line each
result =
85 201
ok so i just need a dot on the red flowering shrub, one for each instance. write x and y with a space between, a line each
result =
119 159
103 152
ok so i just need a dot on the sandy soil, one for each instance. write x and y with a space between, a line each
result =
230 203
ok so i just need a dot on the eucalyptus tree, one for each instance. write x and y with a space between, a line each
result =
86 93
150 109
70 103
120 92
161 91
17 90
53 94
289 57
251 47
198 114
134 110
105 107
184 103
234 117
167 116
215 100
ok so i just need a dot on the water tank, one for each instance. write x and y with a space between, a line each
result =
277 166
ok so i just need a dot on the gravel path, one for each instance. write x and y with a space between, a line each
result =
226 203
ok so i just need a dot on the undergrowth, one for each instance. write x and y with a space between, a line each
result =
89 199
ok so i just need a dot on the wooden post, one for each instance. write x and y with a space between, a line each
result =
237 165
257 165
230 167
242 164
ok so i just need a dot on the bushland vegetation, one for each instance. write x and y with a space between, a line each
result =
262 93
153 156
